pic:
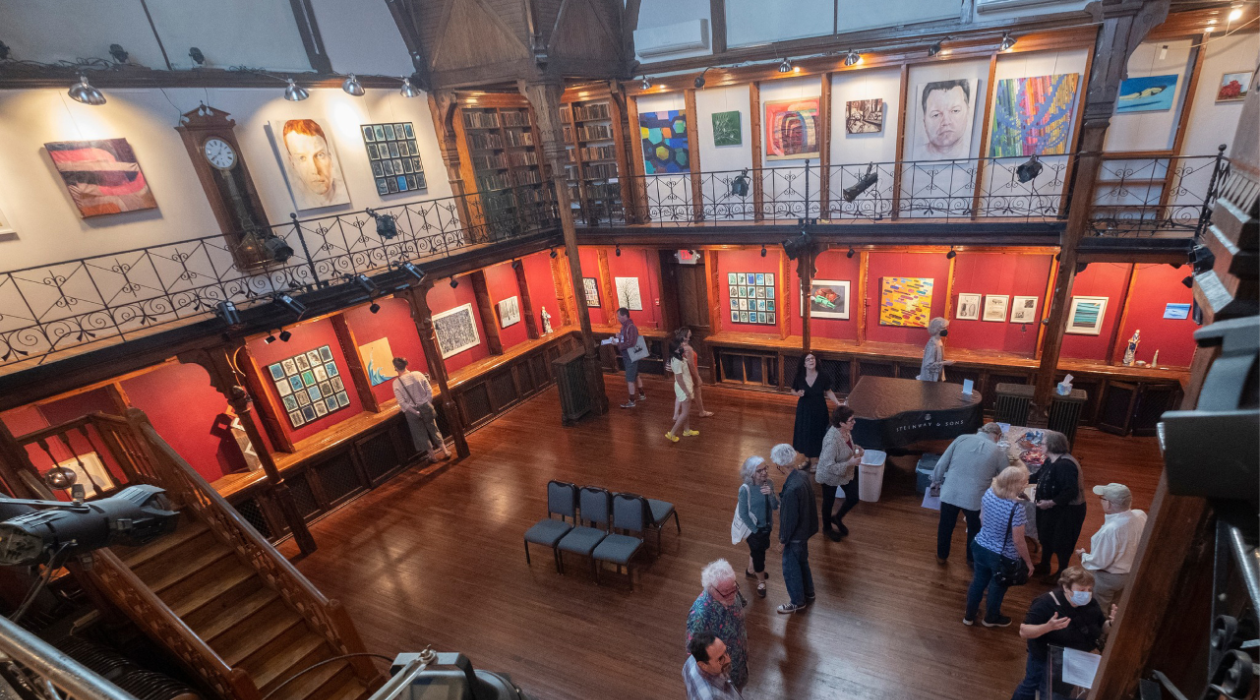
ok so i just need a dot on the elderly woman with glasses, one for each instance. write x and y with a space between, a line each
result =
755 509
719 610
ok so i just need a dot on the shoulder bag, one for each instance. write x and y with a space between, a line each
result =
1011 572
638 351
740 531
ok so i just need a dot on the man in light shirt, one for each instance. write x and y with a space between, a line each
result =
707 673
1114 545
415 399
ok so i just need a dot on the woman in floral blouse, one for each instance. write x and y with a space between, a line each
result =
720 611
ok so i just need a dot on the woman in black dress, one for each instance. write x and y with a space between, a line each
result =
812 388
1060 503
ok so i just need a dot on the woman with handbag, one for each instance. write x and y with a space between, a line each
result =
684 391
1060 500
683 335
754 518
1000 553
838 469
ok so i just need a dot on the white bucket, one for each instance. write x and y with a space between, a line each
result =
871 471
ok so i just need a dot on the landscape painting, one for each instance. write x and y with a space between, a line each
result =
1152 93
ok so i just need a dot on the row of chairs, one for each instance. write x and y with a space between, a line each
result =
598 515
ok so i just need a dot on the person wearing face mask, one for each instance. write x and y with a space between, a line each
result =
934 362
1066 617
719 610
755 509
705 673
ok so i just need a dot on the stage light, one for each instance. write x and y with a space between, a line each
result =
454 283
1008 42
271 338
763 250
1188 281
408 90
226 310
277 248
83 91
197 56
352 87
951 254
795 247
294 306
412 270
284 336
785 66
386 224
618 251
852 58
1029 170
554 255
4 51
851 253
119 53
133 517
647 84
374 307
739 185
935 48
699 82
365 284
295 92
863 184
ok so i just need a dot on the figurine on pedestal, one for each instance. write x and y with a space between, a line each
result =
1130 351
546 319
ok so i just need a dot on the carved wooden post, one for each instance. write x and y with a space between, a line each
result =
527 304
545 99
805 270
417 298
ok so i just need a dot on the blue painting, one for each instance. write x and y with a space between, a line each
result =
1152 93
664 136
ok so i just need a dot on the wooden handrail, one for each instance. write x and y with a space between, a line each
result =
55 430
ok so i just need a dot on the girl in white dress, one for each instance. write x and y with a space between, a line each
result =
684 391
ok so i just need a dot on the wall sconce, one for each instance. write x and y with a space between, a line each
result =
352 87
295 92
83 91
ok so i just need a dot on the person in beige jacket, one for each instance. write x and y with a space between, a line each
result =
838 469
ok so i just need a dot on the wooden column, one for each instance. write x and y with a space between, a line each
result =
1115 348
901 142
716 313
754 125
443 108
805 268
607 294
693 158
1044 316
824 150
668 275
786 298
358 373
984 138
527 304
544 97
417 298
564 291
860 297
485 305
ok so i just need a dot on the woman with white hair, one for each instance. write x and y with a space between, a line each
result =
755 511
719 610
933 367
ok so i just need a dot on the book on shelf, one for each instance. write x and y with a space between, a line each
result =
519 138
488 162
484 141
599 153
568 133
497 181
515 118
596 132
566 114
601 170
481 120
520 160
528 177
599 110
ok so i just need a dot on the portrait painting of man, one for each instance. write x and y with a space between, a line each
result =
942 130
310 164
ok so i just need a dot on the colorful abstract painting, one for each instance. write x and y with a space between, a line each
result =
103 177
1233 87
1033 116
905 301
1153 93
664 137
726 129
864 116
792 129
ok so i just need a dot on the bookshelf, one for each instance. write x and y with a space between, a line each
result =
593 141
502 153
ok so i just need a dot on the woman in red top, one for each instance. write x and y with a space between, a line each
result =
689 356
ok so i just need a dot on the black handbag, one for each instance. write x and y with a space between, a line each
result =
1011 572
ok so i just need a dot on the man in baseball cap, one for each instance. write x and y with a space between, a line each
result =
1115 544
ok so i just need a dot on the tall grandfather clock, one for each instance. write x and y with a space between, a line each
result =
211 142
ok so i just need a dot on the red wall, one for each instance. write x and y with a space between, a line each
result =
72 407
633 262
443 298
880 265
393 321
542 288
306 336
1155 286
501 283
23 420
1098 280
1009 274
746 261
832 265
589 260
190 415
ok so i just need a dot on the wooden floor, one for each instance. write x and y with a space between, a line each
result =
437 559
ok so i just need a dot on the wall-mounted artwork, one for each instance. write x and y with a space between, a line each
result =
664 136
943 111
864 116
905 301
792 131
1176 312
726 129
394 158
1233 87
90 471
1024 310
103 177
509 312
968 307
628 293
310 163
1033 116
1085 315
456 330
828 299
752 297
1153 93
310 385
995 307
378 361
590 286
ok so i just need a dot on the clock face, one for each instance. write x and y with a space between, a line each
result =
219 153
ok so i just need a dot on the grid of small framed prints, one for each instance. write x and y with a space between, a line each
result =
752 297
395 161
310 386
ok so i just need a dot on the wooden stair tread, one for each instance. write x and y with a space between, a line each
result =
187 530
352 689
182 602
176 570
215 624
279 666
318 684
255 632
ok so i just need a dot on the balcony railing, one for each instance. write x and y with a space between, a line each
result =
116 297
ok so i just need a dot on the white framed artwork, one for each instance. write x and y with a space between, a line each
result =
995 306
509 312
1024 310
968 307
628 293
1085 315
309 161
828 299
456 330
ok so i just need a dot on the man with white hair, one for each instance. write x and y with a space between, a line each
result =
720 610
1114 545
798 521
964 473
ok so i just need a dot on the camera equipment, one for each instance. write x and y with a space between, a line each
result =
414 677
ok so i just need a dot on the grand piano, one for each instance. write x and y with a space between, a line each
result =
894 414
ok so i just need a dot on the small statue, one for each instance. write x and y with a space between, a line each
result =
1155 360
1130 351
546 318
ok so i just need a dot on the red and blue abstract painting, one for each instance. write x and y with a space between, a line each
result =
103 177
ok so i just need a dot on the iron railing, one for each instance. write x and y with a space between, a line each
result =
32 668
115 297
1159 196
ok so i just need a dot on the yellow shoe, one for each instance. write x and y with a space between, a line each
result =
671 437
690 433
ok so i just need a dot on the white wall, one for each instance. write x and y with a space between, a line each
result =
865 84
1213 123
47 223
723 99
1152 131
361 37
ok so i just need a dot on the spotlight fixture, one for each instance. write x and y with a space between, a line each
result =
454 283
1188 281
226 310
795 247
763 250
386 224
412 270
365 284
951 254
352 87
294 306
699 82
1201 259
295 92
647 84
1235 14
1008 42
374 307
618 251
554 255
1029 170
785 66
408 90
516 264
83 91
864 183
936 47
284 336
119 53
739 184
271 338
851 253
852 58
197 56
277 248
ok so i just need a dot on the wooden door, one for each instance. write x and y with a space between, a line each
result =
685 302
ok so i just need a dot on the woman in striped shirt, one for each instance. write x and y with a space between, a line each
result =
1000 540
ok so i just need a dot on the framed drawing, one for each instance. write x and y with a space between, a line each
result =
828 299
905 301
305 397
628 293
1152 93
509 312
1024 310
968 307
309 161
792 129
590 286
103 177
752 299
397 146
1085 315
378 361
456 330
995 306
1233 87
942 124
864 116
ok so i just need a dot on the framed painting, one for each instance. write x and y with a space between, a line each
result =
628 293
864 116
456 330
310 164
942 124
1085 315
726 129
379 150
968 307
828 299
995 307
509 312
792 131
1233 88
1152 93
305 376
378 361
905 301
1024 310
590 286
103 177
664 136
1033 116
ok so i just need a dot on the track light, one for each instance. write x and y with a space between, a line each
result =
1028 170
852 58
699 82
454 283
1008 42
863 184
374 307
647 84
284 336
1234 14
412 270
367 285
618 251
197 56
277 248
516 264
763 250
408 90
271 338
119 53
795 247
951 254
83 91
1188 281
294 307
936 47
386 225
352 87
554 255
851 253
295 92
226 310
785 66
